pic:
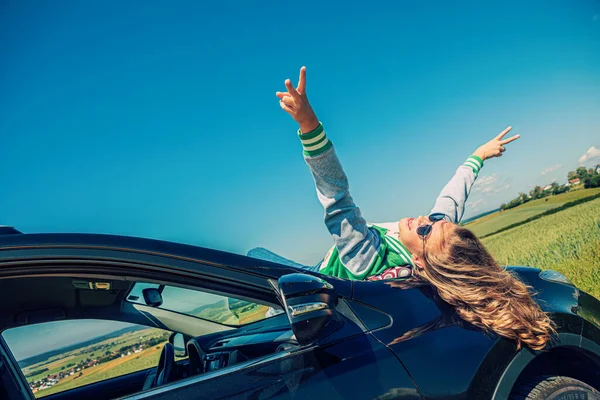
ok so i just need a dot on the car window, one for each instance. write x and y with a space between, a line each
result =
212 307
62 355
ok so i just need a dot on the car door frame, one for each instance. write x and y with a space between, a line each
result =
254 280
10 370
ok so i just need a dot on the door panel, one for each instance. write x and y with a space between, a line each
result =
442 353
359 367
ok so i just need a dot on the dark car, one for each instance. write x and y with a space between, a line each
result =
101 317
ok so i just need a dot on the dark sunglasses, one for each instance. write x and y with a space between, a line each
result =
424 230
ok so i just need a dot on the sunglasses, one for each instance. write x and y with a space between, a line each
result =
424 230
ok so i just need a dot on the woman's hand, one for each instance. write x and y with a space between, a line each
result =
495 147
295 103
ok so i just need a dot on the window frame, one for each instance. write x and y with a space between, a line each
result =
15 363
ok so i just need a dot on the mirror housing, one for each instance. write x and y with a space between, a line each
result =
178 342
152 297
310 304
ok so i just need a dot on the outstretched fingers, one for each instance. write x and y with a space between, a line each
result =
511 139
302 81
291 90
504 132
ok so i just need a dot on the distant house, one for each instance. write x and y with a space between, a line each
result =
575 181
548 187
598 169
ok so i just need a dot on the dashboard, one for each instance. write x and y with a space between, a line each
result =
226 351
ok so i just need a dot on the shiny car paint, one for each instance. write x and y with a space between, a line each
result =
399 341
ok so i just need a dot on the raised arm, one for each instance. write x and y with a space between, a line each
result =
453 197
357 245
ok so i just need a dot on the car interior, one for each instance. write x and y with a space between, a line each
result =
207 330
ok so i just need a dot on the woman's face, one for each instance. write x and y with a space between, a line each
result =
434 241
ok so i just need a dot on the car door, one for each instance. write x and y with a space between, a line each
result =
357 368
347 363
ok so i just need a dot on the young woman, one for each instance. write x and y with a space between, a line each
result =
431 248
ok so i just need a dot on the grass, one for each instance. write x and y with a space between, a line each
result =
147 358
121 366
501 219
567 242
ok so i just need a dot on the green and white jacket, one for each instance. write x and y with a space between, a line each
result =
364 250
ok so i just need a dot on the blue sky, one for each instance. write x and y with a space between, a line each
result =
31 340
161 120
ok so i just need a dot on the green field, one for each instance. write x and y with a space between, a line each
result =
145 359
133 363
568 242
501 219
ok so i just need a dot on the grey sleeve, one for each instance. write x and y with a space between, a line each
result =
453 196
357 245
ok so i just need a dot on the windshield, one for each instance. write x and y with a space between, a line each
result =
216 308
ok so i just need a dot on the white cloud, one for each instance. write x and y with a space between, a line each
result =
474 205
591 157
551 169
485 184
502 188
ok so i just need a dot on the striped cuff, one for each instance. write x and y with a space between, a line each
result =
474 163
315 142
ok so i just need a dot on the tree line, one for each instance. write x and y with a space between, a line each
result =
590 178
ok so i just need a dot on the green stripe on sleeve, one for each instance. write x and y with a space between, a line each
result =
311 134
475 163
315 142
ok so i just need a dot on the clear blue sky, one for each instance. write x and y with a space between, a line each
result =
159 119
31 340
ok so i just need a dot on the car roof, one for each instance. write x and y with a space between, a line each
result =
143 245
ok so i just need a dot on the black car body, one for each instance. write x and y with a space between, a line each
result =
337 339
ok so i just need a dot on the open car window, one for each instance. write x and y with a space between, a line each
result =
63 355
216 308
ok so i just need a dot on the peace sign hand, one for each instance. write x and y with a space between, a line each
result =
295 102
495 147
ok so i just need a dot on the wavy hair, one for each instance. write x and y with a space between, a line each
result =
483 293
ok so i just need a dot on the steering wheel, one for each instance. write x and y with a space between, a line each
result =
165 370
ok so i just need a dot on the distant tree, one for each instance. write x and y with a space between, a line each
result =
572 175
591 181
536 193
582 173
523 198
558 189
503 206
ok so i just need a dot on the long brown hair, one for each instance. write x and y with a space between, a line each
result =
483 293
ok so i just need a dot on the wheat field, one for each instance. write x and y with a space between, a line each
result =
567 242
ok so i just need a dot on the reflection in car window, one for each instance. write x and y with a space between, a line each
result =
212 307
62 355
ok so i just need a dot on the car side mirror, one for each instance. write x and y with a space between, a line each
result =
152 297
178 342
310 304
